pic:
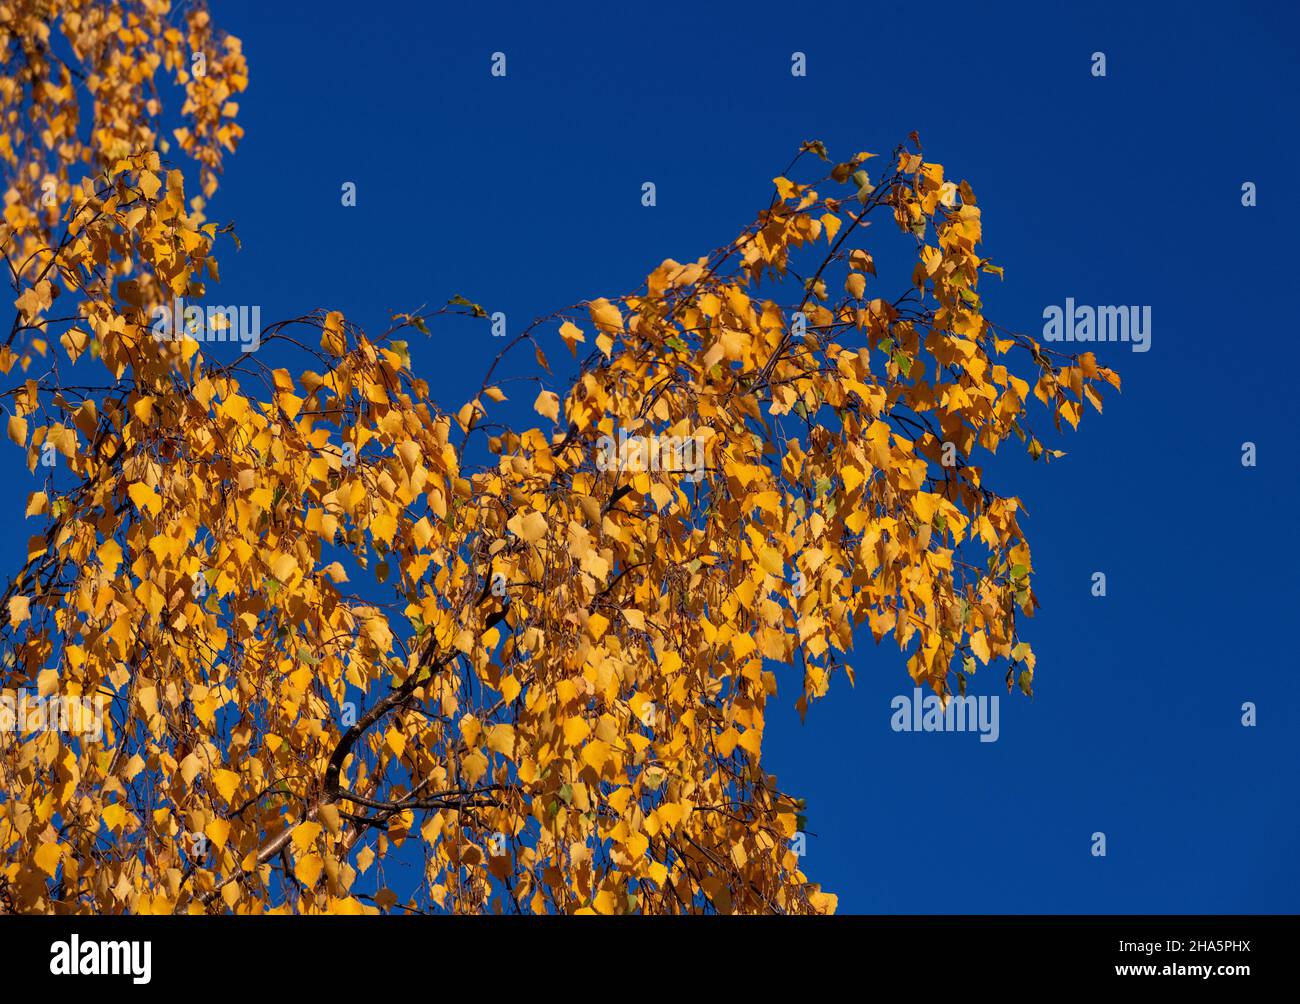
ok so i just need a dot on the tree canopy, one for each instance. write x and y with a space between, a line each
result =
334 622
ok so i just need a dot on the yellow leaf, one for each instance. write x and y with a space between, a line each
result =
576 730
752 741
114 815
377 630
501 739
283 566
308 869
332 338
383 527
218 831
606 315
18 610
531 526
926 505
597 624
145 497
18 429
395 741
474 766
548 405
305 834
595 753
190 767
329 815
48 856
225 781
572 335
148 698
149 184
605 903
637 844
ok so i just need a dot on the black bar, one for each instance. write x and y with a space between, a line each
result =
506 954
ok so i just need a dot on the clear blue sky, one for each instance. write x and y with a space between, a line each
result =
523 194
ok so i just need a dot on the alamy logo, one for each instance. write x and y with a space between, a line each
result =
103 958
211 324
77 716
1098 324
963 714
638 454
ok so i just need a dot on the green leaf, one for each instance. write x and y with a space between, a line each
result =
460 301
816 146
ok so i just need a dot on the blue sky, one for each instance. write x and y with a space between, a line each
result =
523 194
